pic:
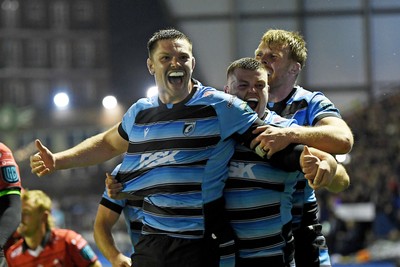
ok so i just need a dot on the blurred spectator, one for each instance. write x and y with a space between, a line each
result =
374 170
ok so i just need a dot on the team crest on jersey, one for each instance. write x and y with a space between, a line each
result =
188 129
10 174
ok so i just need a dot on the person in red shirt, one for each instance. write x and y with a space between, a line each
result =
44 245
10 201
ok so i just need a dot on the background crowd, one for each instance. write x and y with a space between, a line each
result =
374 168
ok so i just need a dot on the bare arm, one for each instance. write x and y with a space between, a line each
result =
341 181
94 150
103 224
330 134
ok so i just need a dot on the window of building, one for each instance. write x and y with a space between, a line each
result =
61 54
36 53
84 54
59 12
35 14
11 53
83 12
9 13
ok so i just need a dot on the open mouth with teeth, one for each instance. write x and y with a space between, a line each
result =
252 102
176 77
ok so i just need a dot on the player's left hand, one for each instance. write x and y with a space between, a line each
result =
319 173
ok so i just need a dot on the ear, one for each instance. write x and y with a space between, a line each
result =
150 66
226 89
193 63
45 216
295 68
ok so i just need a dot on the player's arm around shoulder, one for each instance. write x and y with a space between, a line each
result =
341 180
339 133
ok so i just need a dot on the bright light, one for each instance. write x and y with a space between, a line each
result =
61 100
109 102
152 91
344 158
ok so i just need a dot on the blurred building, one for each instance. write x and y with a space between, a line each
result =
48 47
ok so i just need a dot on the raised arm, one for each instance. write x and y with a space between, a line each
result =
94 150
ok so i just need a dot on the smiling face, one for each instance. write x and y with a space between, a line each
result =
250 86
172 64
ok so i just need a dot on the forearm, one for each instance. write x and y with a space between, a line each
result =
104 222
10 216
341 180
287 159
94 150
105 242
331 139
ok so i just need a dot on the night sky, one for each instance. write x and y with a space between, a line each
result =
132 22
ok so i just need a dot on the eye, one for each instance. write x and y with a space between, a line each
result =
165 58
242 86
260 86
273 57
184 57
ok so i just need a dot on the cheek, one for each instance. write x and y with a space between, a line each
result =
240 94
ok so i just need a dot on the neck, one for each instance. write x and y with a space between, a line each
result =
168 98
34 241
279 92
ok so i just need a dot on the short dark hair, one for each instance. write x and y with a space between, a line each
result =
165 34
246 63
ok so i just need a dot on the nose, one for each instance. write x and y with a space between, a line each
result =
263 60
174 62
252 89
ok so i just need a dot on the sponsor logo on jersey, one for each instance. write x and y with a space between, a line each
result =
240 169
150 160
146 131
188 129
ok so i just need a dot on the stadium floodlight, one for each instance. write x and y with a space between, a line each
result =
110 102
152 91
61 100
343 158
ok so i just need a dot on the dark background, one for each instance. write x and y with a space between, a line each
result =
132 22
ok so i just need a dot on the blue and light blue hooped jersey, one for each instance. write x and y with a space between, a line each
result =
259 200
307 108
178 156
132 210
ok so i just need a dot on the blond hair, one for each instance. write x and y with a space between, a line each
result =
41 201
293 40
